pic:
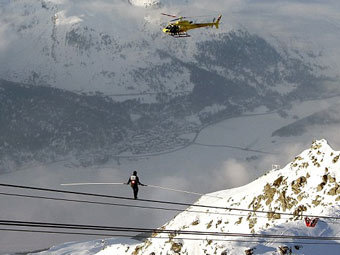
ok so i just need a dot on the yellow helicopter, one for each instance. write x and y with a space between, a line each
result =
178 27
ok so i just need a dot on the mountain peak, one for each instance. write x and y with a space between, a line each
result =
275 203
306 186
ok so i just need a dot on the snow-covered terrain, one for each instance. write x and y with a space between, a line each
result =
307 185
118 49
148 93
92 89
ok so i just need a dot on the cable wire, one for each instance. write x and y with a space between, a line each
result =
147 185
124 205
140 206
160 237
164 202
160 231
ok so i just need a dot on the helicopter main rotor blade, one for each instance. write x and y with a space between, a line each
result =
169 15
178 18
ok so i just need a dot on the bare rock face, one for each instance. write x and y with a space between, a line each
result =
176 247
284 250
298 183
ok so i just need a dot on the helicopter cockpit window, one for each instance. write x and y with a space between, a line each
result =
168 27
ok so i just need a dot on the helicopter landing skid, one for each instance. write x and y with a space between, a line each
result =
181 35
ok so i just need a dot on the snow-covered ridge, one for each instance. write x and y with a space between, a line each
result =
307 185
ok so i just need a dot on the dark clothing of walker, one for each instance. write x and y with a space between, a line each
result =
134 182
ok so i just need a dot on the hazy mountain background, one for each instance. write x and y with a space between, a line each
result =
91 90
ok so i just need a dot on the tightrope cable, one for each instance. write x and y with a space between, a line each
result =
147 185
121 205
167 202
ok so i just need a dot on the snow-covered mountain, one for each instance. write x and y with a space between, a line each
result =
116 53
116 48
308 185
92 82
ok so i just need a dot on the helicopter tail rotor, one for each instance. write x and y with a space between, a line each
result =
217 21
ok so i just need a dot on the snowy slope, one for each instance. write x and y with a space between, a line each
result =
307 185
87 46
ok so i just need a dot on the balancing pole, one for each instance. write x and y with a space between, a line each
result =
183 191
148 185
92 183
